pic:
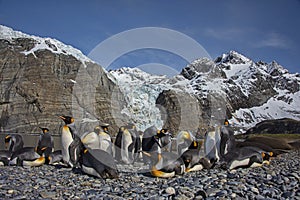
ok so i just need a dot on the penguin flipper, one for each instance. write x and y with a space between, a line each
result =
75 149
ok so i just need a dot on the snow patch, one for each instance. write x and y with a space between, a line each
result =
50 44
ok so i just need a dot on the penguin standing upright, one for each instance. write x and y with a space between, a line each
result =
105 141
150 143
45 140
212 145
91 140
165 140
127 144
68 134
184 140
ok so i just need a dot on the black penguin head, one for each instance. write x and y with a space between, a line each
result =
130 126
226 122
162 133
187 159
67 119
104 126
45 130
195 144
7 139
97 129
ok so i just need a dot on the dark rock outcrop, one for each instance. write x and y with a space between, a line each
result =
276 126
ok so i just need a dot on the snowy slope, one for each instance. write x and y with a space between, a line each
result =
50 44
253 92
245 74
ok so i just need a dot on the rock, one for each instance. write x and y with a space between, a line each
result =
36 86
170 191
276 126
48 195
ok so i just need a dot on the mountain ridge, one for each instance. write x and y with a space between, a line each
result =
205 92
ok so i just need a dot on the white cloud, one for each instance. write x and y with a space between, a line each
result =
225 34
275 40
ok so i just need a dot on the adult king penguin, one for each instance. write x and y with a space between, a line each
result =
155 140
99 163
13 143
28 156
68 135
127 144
166 164
192 159
105 141
241 157
183 141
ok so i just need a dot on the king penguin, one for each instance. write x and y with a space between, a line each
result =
27 156
68 135
98 163
105 141
192 159
13 143
233 157
183 141
45 140
166 165
54 158
152 142
127 144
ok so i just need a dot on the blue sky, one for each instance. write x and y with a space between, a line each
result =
261 30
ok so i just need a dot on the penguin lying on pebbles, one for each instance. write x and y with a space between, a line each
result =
27 156
240 157
166 164
192 159
54 158
98 163
13 143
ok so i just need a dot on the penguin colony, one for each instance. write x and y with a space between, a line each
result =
95 153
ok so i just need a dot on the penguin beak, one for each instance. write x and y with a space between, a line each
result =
147 154
62 117
44 148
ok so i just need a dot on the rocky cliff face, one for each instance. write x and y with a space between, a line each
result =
42 78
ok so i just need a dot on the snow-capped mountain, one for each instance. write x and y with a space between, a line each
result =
201 96
233 86
39 43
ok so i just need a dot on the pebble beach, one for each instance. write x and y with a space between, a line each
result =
279 180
